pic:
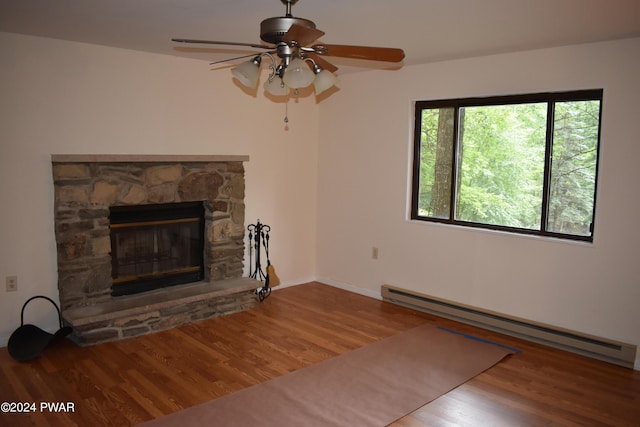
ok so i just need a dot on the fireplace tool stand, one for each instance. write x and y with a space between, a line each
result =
259 240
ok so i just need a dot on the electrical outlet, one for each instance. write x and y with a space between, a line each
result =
12 283
374 253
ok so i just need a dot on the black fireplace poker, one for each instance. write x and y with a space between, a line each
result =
259 240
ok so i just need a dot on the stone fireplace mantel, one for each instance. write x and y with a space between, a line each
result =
144 158
87 185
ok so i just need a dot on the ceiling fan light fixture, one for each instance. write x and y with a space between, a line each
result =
298 74
324 80
290 39
275 86
248 72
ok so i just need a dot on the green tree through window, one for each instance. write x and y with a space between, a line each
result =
525 163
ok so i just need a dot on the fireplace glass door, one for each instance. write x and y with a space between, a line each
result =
154 246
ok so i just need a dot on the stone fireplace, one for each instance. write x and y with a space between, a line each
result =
90 188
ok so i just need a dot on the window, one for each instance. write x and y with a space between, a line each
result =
523 164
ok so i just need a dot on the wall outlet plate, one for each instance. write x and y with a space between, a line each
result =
12 283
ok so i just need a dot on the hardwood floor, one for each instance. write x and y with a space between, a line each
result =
131 381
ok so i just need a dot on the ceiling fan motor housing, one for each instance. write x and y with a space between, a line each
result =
272 30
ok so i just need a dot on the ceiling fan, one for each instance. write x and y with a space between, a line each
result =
300 62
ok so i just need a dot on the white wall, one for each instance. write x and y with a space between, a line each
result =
68 98
61 97
363 201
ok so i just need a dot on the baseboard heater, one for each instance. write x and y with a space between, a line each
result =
598 348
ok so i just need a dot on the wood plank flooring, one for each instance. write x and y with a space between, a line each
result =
131 381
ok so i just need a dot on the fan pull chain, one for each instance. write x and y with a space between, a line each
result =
286 111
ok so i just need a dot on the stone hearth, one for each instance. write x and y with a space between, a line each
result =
86 186
159 309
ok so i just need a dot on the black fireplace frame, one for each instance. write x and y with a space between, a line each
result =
156 213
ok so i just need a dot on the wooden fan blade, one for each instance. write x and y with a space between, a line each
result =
259 46
323 63
361 52
237 57
302 35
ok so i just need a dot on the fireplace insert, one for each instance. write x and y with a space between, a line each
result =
155 246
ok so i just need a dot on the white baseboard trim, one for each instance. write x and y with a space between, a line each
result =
350 288
330 282
291 283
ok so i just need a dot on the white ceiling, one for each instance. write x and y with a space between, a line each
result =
427 30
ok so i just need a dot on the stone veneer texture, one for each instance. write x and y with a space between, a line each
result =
84 191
